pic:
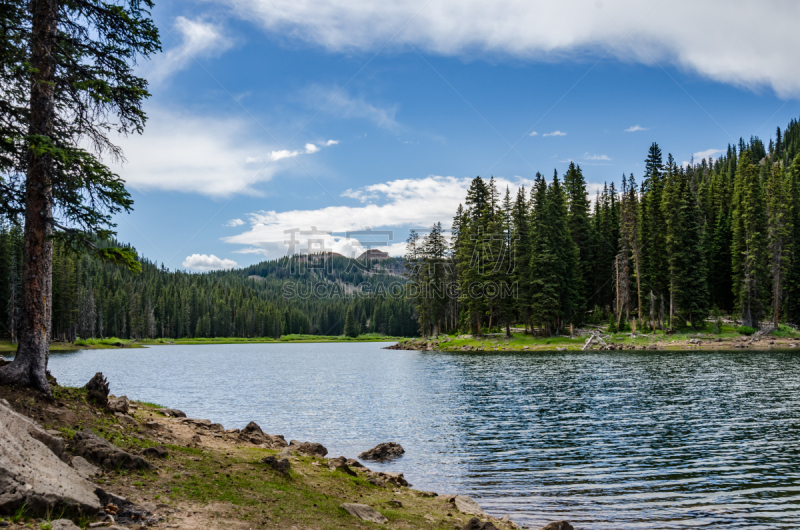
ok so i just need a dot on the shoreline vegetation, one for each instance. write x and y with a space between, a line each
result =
729 337
192 473
116 343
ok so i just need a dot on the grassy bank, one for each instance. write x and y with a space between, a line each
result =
367 337
112 343
213 480
728 337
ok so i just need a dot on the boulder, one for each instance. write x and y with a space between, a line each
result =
364 512
64 524
308 448
32 472
158 451
477 524
65 416
395 479
124 418
558 525
253 434
468 506
282 465
172 413
352 462
97 389
340 464
383 451
118 404
84 468
103 453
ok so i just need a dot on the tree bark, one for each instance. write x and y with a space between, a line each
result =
29 367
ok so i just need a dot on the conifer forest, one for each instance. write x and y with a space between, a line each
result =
667 249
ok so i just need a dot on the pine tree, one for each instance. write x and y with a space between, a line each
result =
749 252
581 231
651 225
544 266
350 326
780 218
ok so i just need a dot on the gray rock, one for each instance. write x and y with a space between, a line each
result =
364 512
308 448
468 506
64 524
395 503
84 468
172 413
253 434
125 419
65 416
352 462
118 404
103 453
282 465
558 525
383 451
477 524
340 464
158 451
31 472
395 479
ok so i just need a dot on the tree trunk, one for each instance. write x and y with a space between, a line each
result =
30 364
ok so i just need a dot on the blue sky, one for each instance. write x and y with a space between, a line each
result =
271 115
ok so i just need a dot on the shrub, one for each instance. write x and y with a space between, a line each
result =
745 330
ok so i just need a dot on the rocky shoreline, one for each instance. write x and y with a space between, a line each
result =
93 460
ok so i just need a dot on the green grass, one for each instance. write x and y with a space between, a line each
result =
520 341
366 337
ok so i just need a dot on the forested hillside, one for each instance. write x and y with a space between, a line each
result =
92 299
669 248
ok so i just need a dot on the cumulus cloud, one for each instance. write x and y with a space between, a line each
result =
203 262
340 103
212 156
636 128
234 223
331 142
596 158
708 153
311 148
534 133
199 39
555 133
743 46
396 204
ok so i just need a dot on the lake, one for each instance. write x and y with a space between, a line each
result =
606 440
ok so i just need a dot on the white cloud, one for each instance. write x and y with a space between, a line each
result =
396 204
339 102
636 128
708 153
555 133
199 154
331 142
750 43
203 262
596 158
311 148
534 133
234 223
199 39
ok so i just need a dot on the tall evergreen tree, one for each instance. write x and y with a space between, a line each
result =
749 247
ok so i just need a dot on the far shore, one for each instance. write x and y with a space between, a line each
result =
115 343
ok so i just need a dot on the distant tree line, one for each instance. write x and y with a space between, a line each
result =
95 299
709 237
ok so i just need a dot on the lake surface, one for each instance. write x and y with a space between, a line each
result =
611 440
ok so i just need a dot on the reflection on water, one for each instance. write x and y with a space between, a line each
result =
606 440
